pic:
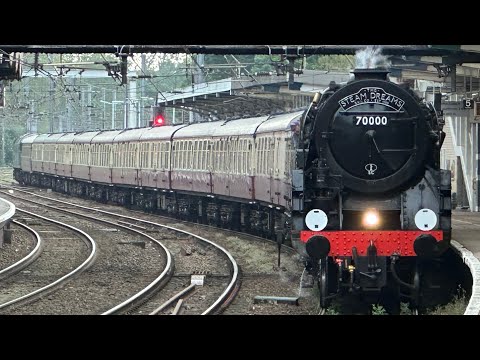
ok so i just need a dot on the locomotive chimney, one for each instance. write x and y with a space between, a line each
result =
379 73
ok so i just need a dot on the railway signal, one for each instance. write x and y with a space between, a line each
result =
159 118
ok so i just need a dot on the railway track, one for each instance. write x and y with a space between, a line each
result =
27 286
257 256
28 258
222 289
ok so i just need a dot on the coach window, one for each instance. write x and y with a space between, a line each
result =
191 165
166 158
141 156
203 155
164 155
106 159
125 156
196 149
149 155
92 153
232 155
241 152
128 155
231 158
176 152
73 153
188 157
221 159
77 150
270 160
243 168
183 155
114 155
86 154
180 155
64 155
206 151
155 155
59 154
209 157
160 160
244 156
95 154
262 156
103 155
121 155
107 155
89 154
188 164
223 163
259 155
161 149
133 156
199 164
214 155
265 156
65 152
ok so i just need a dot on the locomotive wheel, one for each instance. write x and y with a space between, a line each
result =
323 282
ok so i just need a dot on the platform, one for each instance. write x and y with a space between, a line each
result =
466 241
7 210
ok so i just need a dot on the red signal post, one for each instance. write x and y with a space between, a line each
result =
159 120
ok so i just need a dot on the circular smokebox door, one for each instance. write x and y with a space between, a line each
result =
425 219
316 220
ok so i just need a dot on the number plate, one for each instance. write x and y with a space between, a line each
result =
371 120
468 104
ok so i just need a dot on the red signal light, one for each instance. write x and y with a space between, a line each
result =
159 120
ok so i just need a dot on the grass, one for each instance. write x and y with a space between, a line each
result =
378 310
455 307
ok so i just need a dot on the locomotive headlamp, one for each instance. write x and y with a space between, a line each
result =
316 220
371 218
425 219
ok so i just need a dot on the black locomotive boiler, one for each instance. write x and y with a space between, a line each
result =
371 206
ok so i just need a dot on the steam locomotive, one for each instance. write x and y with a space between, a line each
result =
353 182
373 204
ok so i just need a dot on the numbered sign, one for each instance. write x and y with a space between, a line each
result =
468 104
